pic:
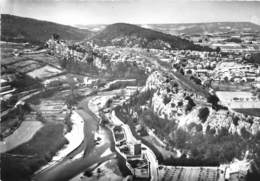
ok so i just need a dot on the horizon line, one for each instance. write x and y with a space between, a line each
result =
75 25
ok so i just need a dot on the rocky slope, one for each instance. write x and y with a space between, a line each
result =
171 102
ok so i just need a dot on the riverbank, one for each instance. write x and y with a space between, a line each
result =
75 163
75 137
21 162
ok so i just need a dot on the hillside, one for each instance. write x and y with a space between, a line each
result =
128 35
202 28
19 29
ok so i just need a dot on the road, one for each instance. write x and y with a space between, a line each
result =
180 78
190 84
69 168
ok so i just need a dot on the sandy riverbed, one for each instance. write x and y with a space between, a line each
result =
75 138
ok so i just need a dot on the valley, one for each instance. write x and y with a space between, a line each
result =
126 102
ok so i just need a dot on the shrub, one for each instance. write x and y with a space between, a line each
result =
244 133
213 99
166 99
203 114
199 127
235 120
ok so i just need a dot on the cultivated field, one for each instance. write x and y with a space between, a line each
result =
239 101
21 135
44 72
229 95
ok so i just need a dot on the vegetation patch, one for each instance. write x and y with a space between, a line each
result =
197 149
21 162
18 29
13 120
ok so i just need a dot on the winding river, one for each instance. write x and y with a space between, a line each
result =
75 163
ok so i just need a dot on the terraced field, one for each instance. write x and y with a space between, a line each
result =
44 72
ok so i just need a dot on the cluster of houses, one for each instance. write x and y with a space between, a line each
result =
237 73
75 52
62 48
213 68
136 57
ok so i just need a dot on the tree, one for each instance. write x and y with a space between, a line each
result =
199 127
72 84
218 49
71 100
189 72
212 131
196 80
190 104
235 120
182 71
213 99
222 132
203 114
99 172
109 102
192 125
244 133
226 79
180 138
166 99
180 104
195 152
55 36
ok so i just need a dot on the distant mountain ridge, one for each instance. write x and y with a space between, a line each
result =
202 28
129 35
189 28
20 29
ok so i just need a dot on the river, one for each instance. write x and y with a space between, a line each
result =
76 162
71 165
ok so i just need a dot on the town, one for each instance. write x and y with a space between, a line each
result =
140 106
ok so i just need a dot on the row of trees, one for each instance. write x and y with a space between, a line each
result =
78 67
125 70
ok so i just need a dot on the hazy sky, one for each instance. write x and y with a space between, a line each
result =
133 11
